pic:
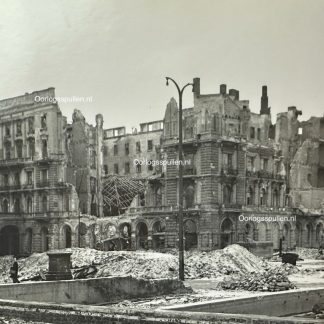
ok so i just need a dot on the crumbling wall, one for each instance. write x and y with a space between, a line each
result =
304 177
287 126
302 174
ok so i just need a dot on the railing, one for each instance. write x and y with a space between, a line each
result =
229 171
28 186
265 208
251 173
36 215
10 187
189 170
265 174
43 184
16 160
25 215
157 209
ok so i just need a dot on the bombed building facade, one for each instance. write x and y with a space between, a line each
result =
103 189
35 198
242 171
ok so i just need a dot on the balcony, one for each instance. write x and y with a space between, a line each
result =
28 186
8 162
265 174
251 173
253 208
43 184
189 170
10 187
163 209
229 171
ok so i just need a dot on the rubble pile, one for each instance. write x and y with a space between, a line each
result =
307 253
271 279
5 264
233 259
148 265
289 269
33 267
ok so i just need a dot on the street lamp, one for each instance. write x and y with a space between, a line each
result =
180 192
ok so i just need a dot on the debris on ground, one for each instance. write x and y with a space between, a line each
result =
231 262
11 320
233 259
307 253
270 280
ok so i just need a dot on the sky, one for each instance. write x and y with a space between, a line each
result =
119 53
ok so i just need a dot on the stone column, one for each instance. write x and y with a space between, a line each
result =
133 240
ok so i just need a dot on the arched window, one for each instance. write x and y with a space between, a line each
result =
250 196
275 198
17 205
263 197
7 150
44 149
19 148
227 194
309 230
29 205
5 206
44 204
67 236
31 147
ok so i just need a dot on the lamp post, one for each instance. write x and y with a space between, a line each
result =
180 187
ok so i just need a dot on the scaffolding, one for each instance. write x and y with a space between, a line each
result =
119 191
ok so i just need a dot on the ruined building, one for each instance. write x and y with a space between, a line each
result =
241 166
35 198
75 184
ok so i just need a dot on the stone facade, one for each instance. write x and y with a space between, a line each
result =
241 170
35 198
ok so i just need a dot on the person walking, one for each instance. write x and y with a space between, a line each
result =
14 271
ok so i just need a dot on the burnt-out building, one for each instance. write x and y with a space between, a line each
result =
245 178
35 197
237 176
303 142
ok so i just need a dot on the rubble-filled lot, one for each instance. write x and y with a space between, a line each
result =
219 274
88 263
234 265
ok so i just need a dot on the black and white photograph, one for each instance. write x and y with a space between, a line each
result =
161 161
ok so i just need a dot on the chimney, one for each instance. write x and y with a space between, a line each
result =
222 89
265 110
234 93
196 87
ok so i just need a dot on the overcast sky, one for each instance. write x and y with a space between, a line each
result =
119 52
